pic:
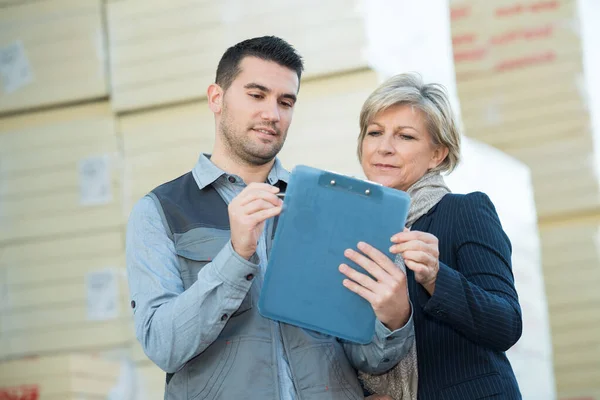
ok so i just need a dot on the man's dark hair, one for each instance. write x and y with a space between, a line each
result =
268 48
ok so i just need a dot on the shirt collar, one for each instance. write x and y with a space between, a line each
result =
206 173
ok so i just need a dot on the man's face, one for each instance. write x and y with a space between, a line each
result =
257 110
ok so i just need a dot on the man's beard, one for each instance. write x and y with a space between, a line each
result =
241 146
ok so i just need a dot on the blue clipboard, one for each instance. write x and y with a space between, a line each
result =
323 214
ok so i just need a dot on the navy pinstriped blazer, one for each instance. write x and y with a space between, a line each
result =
473 317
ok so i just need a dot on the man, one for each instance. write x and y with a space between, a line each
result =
197 251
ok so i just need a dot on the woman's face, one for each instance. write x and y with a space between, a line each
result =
397 149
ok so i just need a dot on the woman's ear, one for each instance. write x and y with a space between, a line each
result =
215 98
439 155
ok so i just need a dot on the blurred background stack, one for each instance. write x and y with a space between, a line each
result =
522 89
102 100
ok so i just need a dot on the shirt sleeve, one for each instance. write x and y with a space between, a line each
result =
174 325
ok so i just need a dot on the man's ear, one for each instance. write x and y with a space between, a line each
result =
215 98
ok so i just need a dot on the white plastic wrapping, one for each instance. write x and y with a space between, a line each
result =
589 15
411 36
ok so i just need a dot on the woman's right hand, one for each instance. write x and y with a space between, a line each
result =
385 289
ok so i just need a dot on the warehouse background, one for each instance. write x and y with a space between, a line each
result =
102 100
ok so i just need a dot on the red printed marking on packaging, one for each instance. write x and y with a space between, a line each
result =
544 6
521 62
460 12
523 34
466 38
469 55
24 392
520 8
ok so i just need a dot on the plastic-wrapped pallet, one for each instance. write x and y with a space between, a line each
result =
60 173
65 377
520 79
61 239
64 294
51 52
571 251
164 53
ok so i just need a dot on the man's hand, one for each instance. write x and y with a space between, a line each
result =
248 212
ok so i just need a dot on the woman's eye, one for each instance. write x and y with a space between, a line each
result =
374 133
407 137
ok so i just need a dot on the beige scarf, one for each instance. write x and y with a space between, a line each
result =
401 382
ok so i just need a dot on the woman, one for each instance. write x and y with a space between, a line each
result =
458 259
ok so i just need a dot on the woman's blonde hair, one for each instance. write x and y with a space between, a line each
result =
431 99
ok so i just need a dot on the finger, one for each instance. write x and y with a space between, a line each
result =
421 271
412 245
419 256
264 215
255 206
362 279
381 259
259 194
369 265
262 186
414 235
359 290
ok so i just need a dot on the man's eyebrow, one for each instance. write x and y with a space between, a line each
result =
257 86
265 89
290 97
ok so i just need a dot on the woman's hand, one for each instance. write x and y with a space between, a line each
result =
421 254
387 292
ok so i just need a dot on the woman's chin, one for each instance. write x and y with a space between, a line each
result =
384 181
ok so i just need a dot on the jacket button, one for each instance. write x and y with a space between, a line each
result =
231 179
132 303
249 277
223 317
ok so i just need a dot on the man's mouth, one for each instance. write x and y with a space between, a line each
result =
266 131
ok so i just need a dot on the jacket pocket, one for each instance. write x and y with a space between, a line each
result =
322 369
196 249
207 372
479 387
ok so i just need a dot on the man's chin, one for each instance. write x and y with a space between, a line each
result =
261 157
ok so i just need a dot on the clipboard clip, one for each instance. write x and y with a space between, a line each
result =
367 191
351 184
